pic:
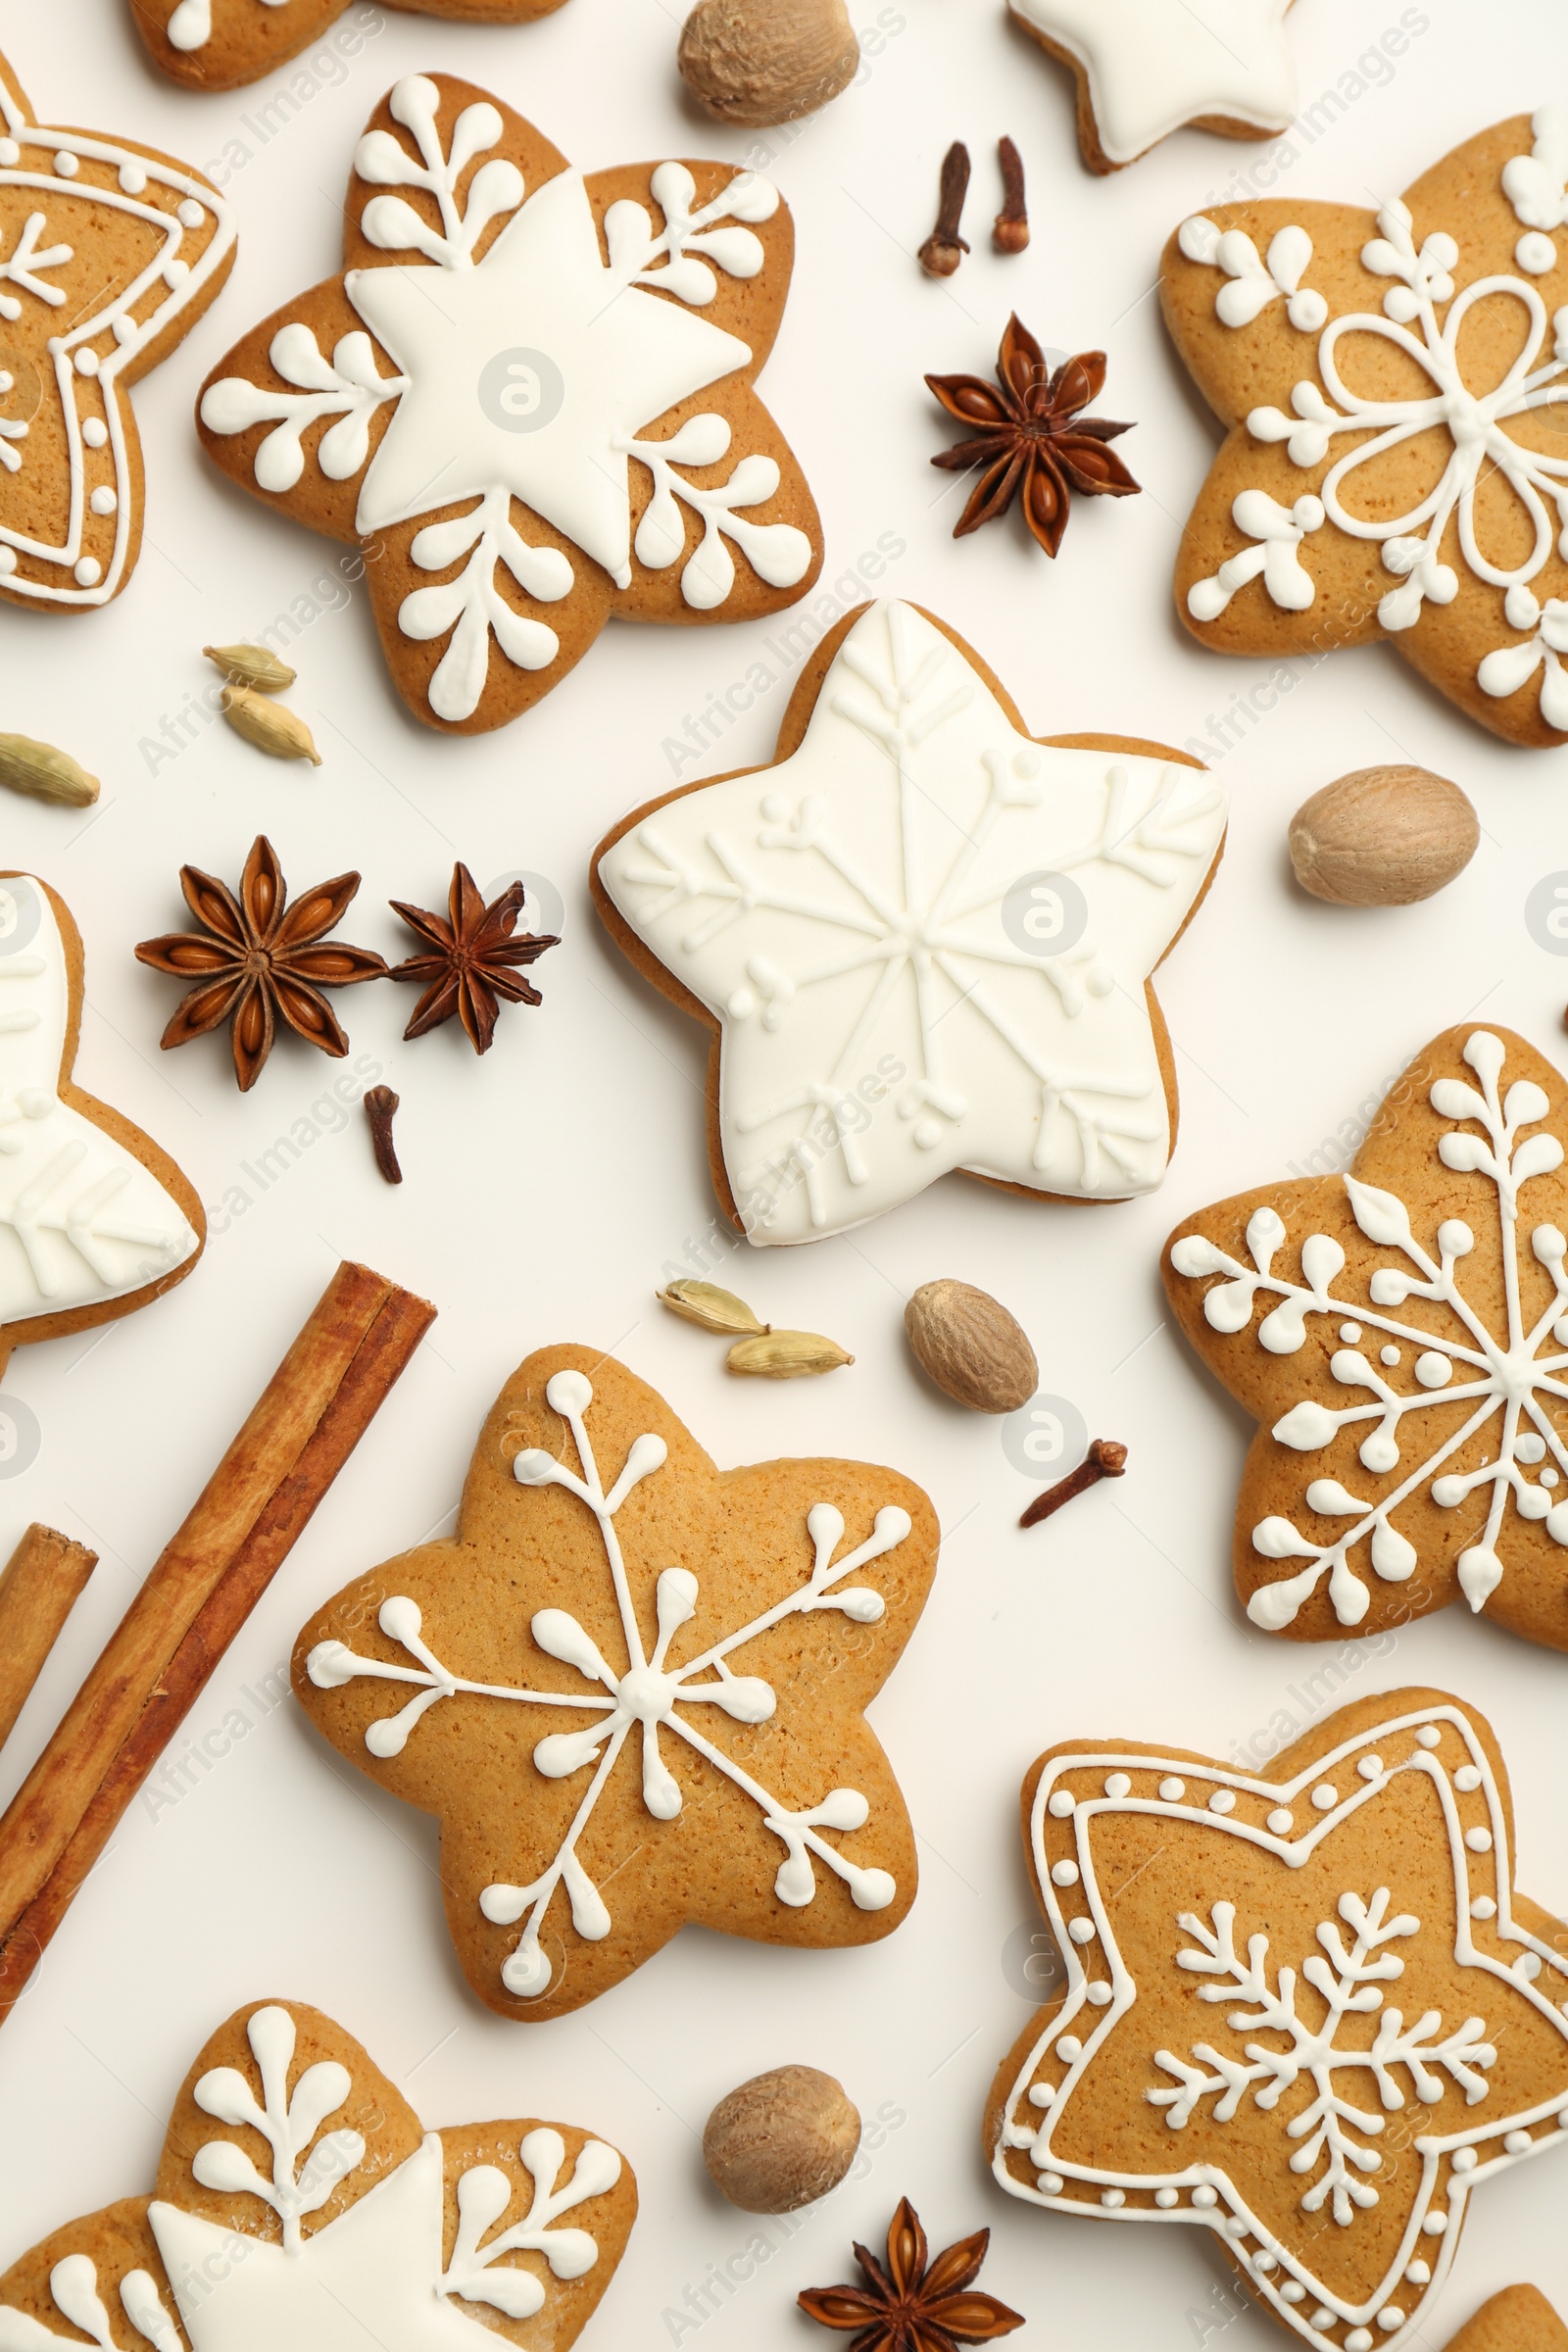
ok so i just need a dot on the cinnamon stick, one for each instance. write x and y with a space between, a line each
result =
315 1411
39 1588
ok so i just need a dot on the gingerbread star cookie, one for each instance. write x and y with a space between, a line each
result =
1307 2011
109 254
1393 385
1401 1331
1146 67
299 2201
528 398
922 939
626 1653
95 1221
218 44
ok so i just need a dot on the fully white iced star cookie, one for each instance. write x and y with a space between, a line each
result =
1146 67
923 938
94 1220
299 2204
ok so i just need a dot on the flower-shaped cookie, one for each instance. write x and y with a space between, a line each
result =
1396 388
1401 1331
625 1657
527 401
299 2202
100 1220
218 44
1306 2009
923 938
109 254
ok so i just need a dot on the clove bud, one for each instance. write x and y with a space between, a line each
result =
380 1108
944 248
1010 231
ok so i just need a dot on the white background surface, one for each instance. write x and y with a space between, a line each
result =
549 1186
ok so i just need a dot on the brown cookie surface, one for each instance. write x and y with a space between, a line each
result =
1519 2320
220 44
1306 2010
1398 1333
509 496
556 1684
1391 386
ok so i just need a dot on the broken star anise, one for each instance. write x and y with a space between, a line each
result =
1029 439
470 959
256 959
909 2306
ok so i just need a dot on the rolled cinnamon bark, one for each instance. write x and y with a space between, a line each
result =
39 1588
316 1409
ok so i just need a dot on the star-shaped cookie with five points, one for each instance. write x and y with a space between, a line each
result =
922 939
1307 2013
626 1656
299 2201
528 400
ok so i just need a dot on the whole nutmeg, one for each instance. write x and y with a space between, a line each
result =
781 2141
1383 837
767 61
971 1346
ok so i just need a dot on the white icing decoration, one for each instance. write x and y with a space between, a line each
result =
1279 532
604 358
1509 666
47 167
1255 281
1331 2128
834 912
74 2289
645 1696
1154 65
1505 1373
377 2269
1536 186
81 1220
191 24
1478 448
1329 2135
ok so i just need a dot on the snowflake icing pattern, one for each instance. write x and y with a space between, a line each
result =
819 944
603 352
645 1696
1521 1375
1423 319
1332 2129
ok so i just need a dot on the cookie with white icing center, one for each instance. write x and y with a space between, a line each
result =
299 2201
529 399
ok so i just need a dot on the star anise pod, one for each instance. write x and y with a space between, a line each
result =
469 965
257 957
909 2306
1032 440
